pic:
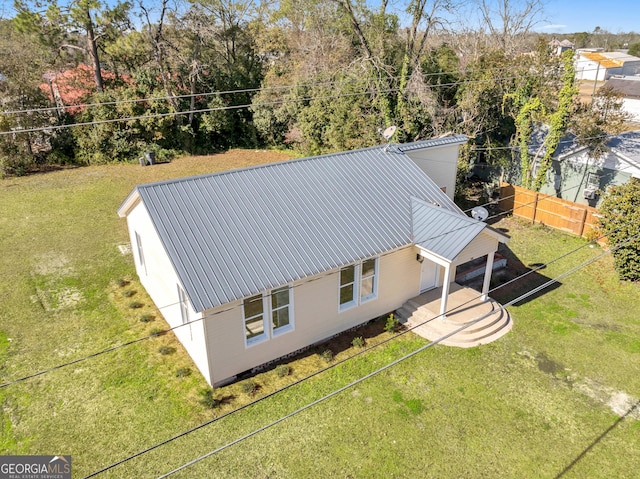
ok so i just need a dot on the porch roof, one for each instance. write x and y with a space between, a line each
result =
440 231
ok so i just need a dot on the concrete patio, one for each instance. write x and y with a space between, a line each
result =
464 305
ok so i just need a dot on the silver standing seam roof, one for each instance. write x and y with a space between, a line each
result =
237 233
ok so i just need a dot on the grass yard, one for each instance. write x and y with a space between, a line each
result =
554 398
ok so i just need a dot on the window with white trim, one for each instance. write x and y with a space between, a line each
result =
184 305
276 305
358 283
140 252
280 309
369 279
254 318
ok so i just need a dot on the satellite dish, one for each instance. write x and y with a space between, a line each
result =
389 132
479 213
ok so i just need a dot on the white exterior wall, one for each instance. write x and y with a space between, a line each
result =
482 245
316 316
161 283
587 69
440 164
632 107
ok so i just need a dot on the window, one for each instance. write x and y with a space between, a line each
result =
347 286
368 280
280 309
140 253
254 318
277 305
184 305
358 283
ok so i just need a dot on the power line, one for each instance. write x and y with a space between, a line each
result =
381 369
362 351
369 91
212 93
261 89
302 283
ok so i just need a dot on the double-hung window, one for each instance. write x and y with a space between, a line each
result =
369 279
348 287
358 283
254 318
268 315
280 309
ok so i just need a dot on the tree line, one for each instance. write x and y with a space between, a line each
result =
87 81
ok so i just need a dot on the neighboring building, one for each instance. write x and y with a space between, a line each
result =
629 88
69 89
576 177
262 262
559 47
599 66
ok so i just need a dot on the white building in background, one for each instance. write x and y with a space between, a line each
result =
600 66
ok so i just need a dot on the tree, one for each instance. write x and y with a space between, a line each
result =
510 21
595 123
634 49
559 119
57 23
619 221
22 100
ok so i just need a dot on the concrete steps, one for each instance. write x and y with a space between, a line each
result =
421 315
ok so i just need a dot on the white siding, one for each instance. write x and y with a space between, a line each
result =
315 313
440 164
632 107
161 282
482 245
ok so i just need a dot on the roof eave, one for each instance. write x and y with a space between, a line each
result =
129 203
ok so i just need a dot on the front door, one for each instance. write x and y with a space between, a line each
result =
428 275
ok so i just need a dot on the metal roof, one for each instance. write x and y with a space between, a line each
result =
441 231
442 141
610 59
629 87
234 234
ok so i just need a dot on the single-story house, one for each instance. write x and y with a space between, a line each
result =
259 263
599 66
559 47
629 88
574 176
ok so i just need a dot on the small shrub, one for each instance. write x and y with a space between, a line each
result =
392 324
135 305
283 370
122 282
128 293
183 372
327 355
207 398
249 387
357 342
147 318
165 350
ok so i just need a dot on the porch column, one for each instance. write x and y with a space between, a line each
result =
445 290
487 276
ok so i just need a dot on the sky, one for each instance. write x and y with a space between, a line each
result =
563 16
569 16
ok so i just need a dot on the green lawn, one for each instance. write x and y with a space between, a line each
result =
538 403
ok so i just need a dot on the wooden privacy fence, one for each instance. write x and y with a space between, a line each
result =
548 210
